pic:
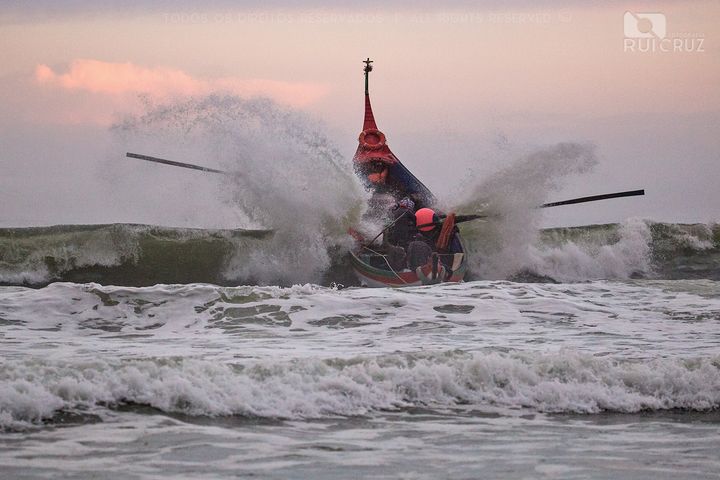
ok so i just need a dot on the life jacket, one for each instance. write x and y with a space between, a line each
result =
446 233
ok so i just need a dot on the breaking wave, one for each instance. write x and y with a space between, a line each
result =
122 254
35 391
635 248
511 244
284 174
139 255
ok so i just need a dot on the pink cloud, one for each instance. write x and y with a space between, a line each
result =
117 79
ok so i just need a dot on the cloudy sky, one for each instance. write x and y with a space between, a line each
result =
460 90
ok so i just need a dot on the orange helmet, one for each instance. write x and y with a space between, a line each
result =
425 216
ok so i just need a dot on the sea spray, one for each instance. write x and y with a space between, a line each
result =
284 175
501 246
626 256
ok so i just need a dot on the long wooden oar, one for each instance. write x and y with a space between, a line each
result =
594 198
591 198
173 163
458 218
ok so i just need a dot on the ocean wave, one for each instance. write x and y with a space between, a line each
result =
624 252
140 255
124 254
636 248
33 391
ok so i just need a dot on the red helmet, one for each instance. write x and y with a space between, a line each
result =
425 216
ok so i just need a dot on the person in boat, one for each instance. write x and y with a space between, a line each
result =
377 177
402 229
428 224
396 257
418 252
377 173
422 246
437 236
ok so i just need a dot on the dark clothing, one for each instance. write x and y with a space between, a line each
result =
433 236
455 245
402 231
418 253
431 239
396 257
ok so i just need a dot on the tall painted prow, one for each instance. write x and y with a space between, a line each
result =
375 162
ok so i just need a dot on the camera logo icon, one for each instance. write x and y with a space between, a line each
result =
645 25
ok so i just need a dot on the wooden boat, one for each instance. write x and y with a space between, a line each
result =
387 177
373 270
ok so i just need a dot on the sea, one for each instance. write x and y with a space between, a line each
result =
184 347
148 352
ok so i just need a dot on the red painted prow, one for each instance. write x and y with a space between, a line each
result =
372 148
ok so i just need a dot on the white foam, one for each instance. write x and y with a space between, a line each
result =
699 236
581 262
313 352
567 381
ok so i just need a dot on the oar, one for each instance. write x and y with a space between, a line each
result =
173 163
591 198
594 198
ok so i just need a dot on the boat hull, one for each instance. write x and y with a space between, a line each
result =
371 276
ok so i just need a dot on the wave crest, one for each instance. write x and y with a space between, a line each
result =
33 391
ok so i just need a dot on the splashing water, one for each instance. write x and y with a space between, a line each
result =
285 175
627 256
502 245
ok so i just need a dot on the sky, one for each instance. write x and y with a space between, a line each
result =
461 90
